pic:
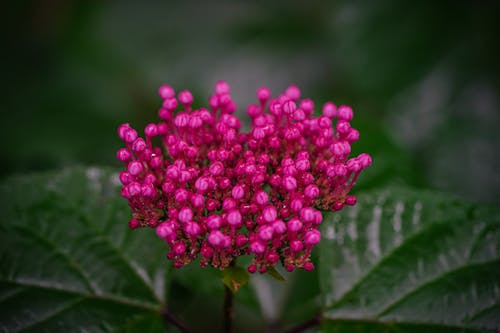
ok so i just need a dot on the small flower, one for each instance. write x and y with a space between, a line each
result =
213 192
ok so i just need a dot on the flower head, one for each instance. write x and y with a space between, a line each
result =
212 191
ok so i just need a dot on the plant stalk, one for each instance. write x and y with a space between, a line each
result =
170 318
228 310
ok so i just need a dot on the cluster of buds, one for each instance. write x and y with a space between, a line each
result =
215 193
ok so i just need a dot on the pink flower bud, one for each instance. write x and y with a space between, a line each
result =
238 192
296 245
214 222
197 200
133 224
261 197
123 154
289 183
365 160
164 230
329 110
257 247
312 237
179 248
269 213
294 225
135 168
265 232
263 94
234 218
307 105
311 191
130 135
296 205
309 266
293 92
216 238
170 104
166 91
185 97
185 214
192 229
279 226
289 107
307 214
344 112
122 130
222 88
125 177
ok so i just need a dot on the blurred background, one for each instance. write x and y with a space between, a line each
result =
423 78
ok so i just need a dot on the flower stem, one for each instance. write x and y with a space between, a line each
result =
228 310
170 318
314 321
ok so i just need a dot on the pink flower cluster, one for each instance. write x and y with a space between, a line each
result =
216 193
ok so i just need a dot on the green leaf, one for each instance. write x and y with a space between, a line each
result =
235 277
69 260
408 261
275 274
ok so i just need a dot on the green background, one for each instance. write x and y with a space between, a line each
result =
422 77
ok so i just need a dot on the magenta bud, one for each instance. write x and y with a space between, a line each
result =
307 105
241 240
228 204
185 214
312 237
192 229
166 91
216 238
344 112
222 87
343 127
294 225
309 266
265 232
234 218
296 205
238 192
138 145
122 130
123 154
293 92
311 191
273 257
170 104
214 221
179 248
269 213
279 226
135 168
257 247
350 200
261 197
165 229
197 200
134 224
185 97
329 110
263 94
125 177
365 160
252 269
307 214
289 183
296 245
130 135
